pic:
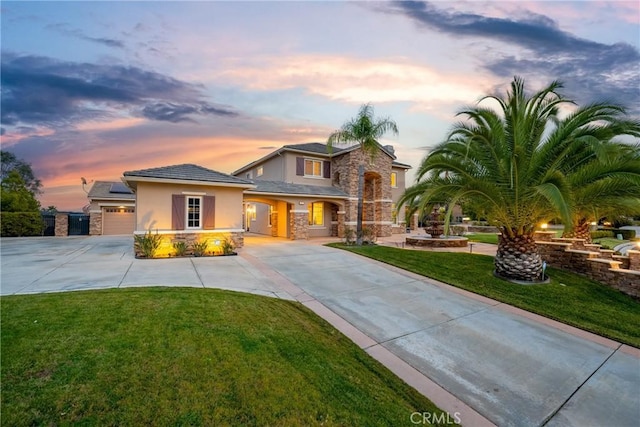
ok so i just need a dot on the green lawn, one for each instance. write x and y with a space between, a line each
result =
609 242
569 298
181 356
491 238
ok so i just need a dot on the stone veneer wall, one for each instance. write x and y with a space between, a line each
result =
168 239
62 225
616 271
299 225
95 223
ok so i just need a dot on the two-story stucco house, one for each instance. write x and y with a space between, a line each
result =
304 191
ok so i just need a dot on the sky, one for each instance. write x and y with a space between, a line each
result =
93 89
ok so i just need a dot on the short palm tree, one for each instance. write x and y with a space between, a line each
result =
607 185
515 164
364 130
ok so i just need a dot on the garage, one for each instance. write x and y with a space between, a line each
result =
118 220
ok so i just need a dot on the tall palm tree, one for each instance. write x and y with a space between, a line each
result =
363 130
515 162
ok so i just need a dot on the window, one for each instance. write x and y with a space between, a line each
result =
193 212
260 171
316 213
394 179
249 175
313 168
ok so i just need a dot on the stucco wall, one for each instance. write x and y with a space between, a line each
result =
290 160
153 204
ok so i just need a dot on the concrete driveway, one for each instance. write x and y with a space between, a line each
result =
489 362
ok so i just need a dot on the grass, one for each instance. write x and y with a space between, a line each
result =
491 238
167 356
609 242
569 298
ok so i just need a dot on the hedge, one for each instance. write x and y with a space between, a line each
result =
599 234
16 224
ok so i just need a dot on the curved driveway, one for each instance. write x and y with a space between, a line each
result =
489 362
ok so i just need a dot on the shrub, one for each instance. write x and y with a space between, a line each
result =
227 246
180 248
368 235
147 244
626 234
457 230
17 224
200 248
349 236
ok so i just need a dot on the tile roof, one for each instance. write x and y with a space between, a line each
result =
187 172
279 187
103 190
312 147
402 165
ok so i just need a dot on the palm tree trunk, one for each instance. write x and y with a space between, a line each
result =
360 204
582 230
518 258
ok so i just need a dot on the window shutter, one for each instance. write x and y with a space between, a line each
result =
300 166
177 211
209 212
326 169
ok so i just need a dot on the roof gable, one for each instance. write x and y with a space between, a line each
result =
186 172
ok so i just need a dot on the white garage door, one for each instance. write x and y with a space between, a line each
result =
118 221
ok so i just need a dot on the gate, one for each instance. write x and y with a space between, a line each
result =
78 224
49 224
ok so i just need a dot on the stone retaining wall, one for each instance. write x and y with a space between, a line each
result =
617 271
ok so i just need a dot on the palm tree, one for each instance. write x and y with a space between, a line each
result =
608 185
365 131
516 162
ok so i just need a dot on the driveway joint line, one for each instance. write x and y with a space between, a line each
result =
195 268
563 404
125 274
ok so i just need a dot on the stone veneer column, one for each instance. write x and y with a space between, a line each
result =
62 225
634 260
341 216
274 224
414 222
95 223
299 224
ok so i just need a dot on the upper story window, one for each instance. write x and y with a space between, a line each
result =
313 168
193 212
249 176
394 179
260 171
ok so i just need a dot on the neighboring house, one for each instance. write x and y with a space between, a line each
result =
188 203
303 191
111 208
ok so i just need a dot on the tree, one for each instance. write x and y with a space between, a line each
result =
15 196
363 130
520 162
11 163
606 186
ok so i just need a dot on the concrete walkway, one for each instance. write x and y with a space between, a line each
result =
488 362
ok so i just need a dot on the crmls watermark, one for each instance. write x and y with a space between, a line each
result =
433 418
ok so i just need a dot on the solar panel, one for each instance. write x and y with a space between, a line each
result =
120 188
